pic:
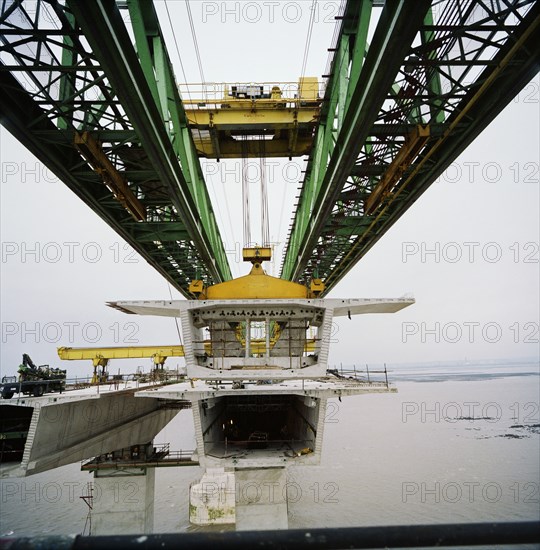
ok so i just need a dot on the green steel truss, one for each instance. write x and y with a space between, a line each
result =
448 67
67 70
445 67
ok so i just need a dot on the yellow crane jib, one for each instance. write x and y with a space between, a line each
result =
100 357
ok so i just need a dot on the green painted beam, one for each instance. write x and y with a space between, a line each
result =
17 110
436 83
330 120
69 58
160 76
74 95
105 31
394 34
456 101
504 76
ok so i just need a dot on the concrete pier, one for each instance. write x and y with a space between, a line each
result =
261 499
123 501
253 498
212 499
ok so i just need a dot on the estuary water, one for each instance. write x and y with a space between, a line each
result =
455 444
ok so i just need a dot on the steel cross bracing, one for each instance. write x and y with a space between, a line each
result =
397 113
95 99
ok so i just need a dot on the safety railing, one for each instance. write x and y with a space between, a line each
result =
357 374
271 94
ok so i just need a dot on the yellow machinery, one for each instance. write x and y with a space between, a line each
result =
228 120
100 356
256 285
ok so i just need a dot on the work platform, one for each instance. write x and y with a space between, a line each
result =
140 456
253 120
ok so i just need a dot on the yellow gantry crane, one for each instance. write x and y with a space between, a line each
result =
100 357
281 117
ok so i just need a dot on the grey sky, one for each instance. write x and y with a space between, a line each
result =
479 300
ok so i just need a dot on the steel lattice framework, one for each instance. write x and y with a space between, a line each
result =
95 99
397 113
99 106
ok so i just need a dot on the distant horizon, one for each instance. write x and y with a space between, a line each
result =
484 361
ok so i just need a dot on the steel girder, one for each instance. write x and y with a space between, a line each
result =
353 104
70 70
451 76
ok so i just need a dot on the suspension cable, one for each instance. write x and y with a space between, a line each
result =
195 43
180 61
245 192
308 38
265 222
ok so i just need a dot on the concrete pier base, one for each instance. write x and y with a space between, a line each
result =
261 499
123 502
211 500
